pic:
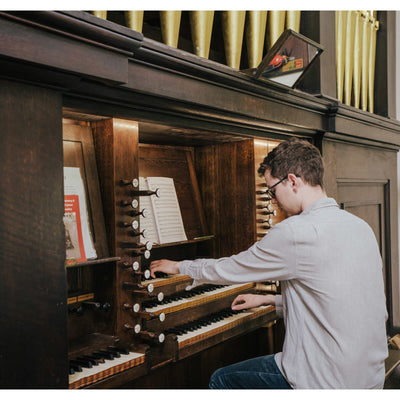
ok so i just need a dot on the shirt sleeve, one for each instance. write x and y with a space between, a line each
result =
272 258
278 305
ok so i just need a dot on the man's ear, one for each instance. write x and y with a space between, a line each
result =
293 179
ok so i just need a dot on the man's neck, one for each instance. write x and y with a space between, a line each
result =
311 195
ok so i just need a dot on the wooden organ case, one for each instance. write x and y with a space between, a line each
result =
90 94
122 323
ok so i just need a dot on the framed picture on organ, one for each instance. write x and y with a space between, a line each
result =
288 59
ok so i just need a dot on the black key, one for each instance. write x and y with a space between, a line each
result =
75 367
93 360
104 354
82 363
115 353
122 350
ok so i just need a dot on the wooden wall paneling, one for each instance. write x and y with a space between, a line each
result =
360 177
228 179
208 176
321 77
371 205
236 197
33 320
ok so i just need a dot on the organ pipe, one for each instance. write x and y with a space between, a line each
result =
293 20
232 30
170 23
340 40
256 22
100 14
350 20
134 20
364 60
276 26
374 26
201 24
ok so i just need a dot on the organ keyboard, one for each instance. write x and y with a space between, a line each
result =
194 297
97 366
214 324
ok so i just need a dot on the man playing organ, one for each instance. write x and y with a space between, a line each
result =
332 298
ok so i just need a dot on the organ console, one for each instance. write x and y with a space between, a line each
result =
158 322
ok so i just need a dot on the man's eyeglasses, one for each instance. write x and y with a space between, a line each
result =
270 192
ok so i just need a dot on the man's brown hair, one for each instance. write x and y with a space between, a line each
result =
297 157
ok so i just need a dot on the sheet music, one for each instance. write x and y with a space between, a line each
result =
166 210
149 222
73 185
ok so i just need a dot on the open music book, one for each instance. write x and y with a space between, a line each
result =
164 223
79 244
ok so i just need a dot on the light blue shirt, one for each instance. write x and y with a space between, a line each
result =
332 302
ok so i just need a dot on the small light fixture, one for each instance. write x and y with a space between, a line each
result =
287 60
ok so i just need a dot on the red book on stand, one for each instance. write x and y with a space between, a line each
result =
73 229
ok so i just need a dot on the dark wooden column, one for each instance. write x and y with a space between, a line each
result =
320 27
33 343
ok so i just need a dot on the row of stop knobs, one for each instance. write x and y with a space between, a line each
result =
137 290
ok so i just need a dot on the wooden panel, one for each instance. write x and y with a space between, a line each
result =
116 144
33 344
37 46
227 182
208 175
237 197
369 201
362 177
366 200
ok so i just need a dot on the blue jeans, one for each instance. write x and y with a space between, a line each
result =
256 373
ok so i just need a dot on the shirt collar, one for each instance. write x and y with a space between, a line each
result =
321 203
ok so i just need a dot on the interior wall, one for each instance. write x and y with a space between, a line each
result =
366 189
